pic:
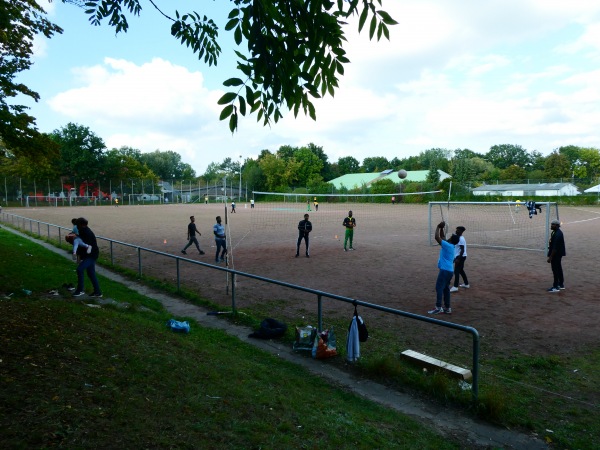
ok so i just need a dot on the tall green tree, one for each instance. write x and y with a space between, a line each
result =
309 167
348 164
557 166
81 151
513 173
289 51
167 165
435 157
506 155
20 22
375 164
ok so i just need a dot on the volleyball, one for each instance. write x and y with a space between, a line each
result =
402 173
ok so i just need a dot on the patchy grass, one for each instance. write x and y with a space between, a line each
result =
76 376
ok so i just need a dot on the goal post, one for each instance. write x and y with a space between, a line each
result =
40 200
505 225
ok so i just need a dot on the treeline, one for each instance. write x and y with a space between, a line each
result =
82 155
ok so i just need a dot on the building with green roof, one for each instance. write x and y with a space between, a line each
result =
358 180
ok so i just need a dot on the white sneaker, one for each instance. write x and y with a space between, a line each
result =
453 289
466 286
89 249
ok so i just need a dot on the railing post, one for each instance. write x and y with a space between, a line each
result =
178 278
112 259
319 312
233 293
139 252
475 365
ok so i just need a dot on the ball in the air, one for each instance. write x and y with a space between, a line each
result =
402 173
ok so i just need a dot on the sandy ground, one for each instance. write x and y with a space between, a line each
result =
393 265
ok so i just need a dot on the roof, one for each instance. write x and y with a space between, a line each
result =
357 180
593 189
523 187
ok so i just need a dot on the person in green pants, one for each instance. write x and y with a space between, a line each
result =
350 224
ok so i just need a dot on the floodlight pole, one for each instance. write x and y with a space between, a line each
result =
240 188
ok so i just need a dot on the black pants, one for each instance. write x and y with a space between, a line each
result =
300 237
459 270
556 264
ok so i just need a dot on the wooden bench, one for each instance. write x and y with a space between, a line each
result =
436 364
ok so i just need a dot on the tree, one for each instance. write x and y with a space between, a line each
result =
557 166
167 165
513 173
293 49
438 157
433 176
506 155
375 164
81 151
348 164
20 22
310 166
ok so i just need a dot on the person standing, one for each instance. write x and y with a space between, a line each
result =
191 235
77 242
304 228
88 260
446 270
232 206
556 250
220 241
460 256
350 223
316 204
251 203
308 205
206 199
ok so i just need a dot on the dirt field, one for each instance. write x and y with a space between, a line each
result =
393 265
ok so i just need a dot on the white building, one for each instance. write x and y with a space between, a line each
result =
528 190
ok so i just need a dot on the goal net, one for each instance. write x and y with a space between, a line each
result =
282 211
509 225
40 200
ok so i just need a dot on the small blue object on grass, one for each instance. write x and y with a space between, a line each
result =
179 327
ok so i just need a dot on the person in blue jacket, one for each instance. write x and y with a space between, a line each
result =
446 270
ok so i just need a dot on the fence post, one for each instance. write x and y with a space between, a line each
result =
178 278
233 293
475 386
139 252
319 312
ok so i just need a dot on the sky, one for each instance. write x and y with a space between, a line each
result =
456 74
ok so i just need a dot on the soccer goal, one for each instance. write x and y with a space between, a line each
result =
276 209
40 200
508 225
83 200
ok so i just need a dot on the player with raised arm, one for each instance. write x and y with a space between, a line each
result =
446 270
304 228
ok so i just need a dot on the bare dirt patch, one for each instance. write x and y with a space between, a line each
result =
393 265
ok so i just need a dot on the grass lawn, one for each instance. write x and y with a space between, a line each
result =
77 376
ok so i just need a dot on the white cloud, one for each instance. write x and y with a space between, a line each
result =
456 74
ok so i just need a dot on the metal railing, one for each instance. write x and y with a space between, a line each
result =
19 222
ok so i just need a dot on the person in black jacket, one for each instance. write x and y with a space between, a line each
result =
88 260
304 228
556 250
